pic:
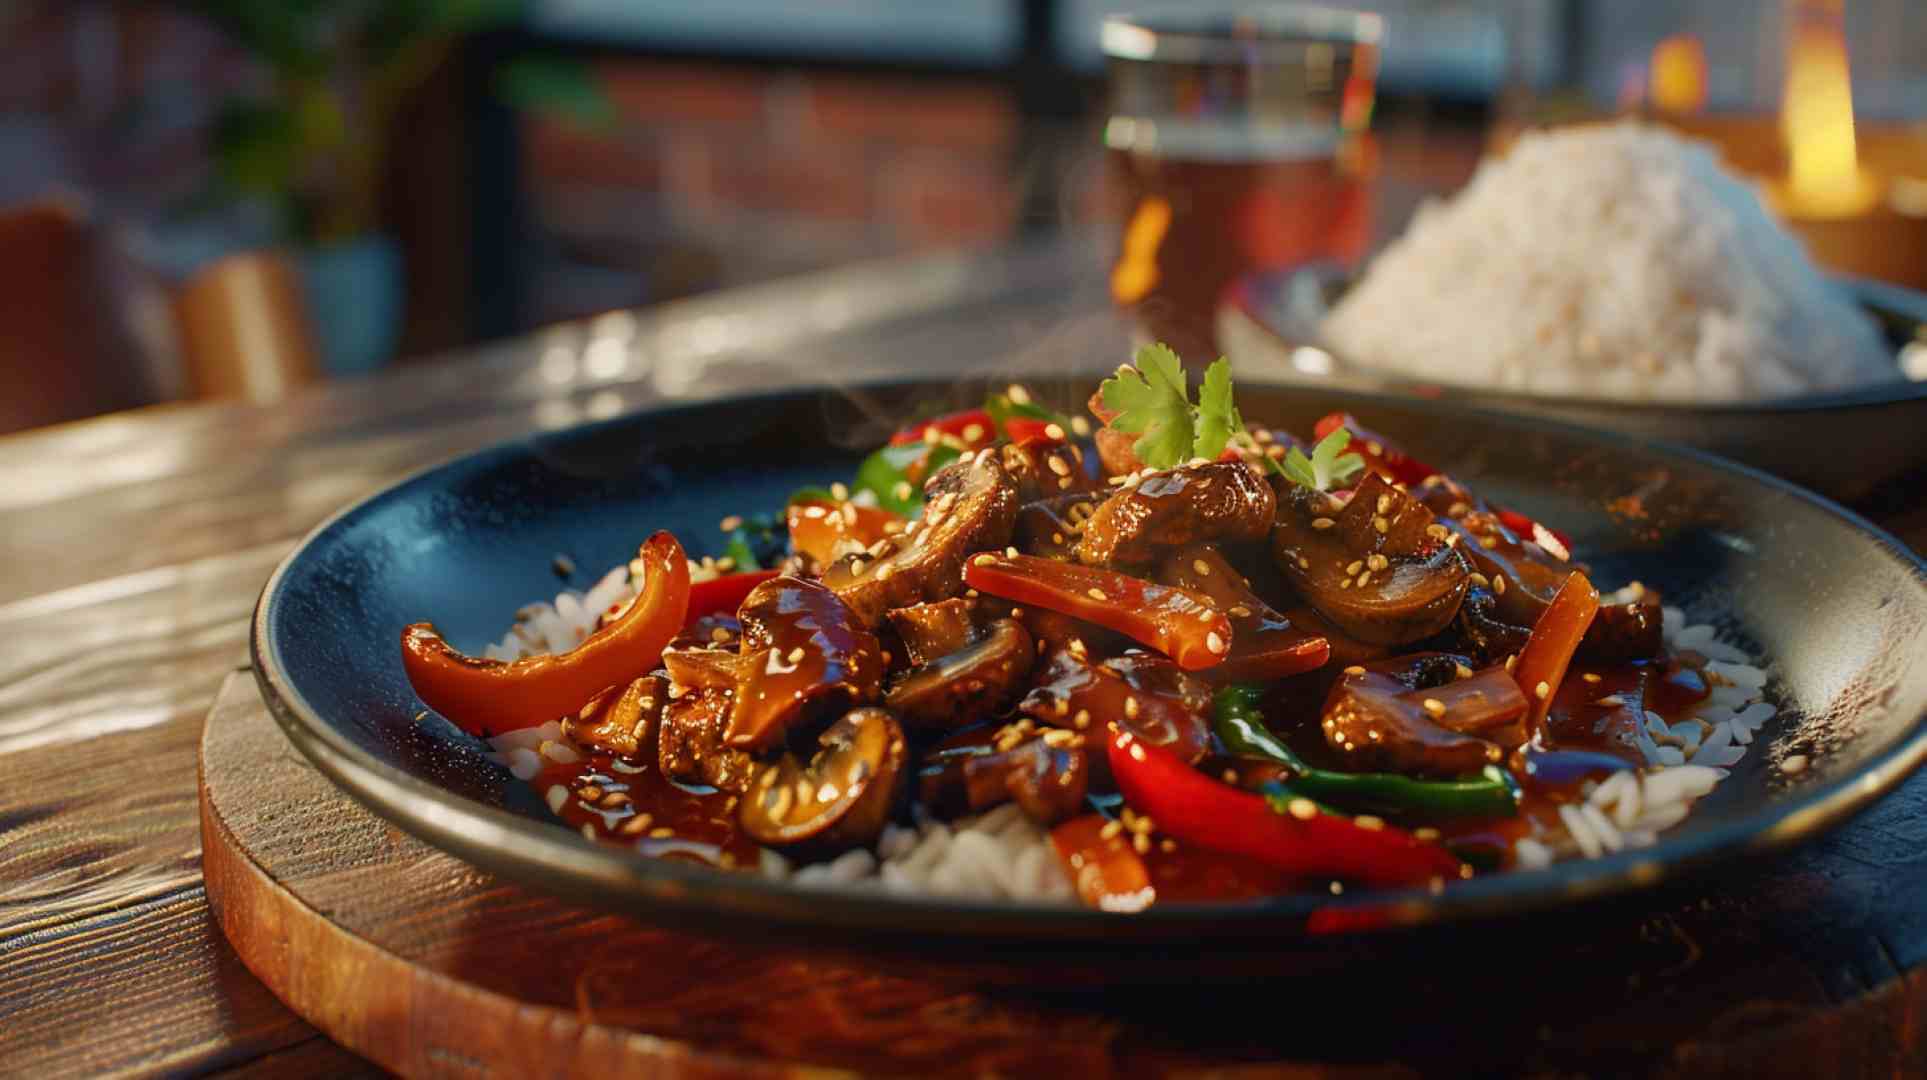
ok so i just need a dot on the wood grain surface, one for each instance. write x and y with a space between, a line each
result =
434 969
132 548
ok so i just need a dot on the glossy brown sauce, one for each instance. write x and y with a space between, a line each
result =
647 812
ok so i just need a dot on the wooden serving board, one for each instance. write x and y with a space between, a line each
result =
1810 965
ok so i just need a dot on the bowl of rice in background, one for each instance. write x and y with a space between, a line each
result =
1616 276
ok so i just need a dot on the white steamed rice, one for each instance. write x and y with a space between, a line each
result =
1002 855
1615 261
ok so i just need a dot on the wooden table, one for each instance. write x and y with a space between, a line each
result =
132 548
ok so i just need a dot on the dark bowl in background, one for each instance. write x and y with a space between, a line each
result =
1843 445
1837 607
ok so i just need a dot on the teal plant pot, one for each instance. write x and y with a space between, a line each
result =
354 294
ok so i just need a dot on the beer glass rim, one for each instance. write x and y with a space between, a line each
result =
1232 33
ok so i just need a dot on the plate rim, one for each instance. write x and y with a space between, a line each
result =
655 889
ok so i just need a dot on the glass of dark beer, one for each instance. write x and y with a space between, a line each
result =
1236 139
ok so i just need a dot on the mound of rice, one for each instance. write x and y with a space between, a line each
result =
1003 855
1612 261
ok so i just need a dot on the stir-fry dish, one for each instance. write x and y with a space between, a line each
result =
1170 655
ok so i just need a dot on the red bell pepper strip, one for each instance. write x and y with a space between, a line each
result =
973 427
489 697
1195 809
1177 622
723 595
1024 428
1107 874
1541 666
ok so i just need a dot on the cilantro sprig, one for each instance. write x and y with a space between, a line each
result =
1152 400
1325 468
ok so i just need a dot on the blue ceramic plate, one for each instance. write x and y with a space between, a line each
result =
1838 607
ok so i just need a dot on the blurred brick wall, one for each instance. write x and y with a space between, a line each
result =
718 176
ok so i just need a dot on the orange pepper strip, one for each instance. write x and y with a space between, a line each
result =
1555 637
489 697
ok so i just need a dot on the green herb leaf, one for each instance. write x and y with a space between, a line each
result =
1298 469
1002 408
1218 418
1152 401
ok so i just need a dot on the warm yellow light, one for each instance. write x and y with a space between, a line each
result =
1136 273
1679 75
1816 118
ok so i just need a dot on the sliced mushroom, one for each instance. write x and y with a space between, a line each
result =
1265 645
1222 500
970 505
1376 724
1043 469
691 747
969 685
709 632
1047 774
1147 695
1052 527
933 630
623 721
802 651
1379 567
1485 702
841 798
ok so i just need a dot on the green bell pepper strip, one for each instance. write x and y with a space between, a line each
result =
884 471
1239 725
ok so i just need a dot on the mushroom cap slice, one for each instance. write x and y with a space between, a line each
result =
1221 500
968 685
969 505
1377 567
841 798
622 720
1377 724
802 650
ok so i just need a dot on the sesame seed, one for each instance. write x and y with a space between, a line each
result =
986 559
1201 566
1080 425
1611 701
1238 611
1354 567
973 432
661 833
1303 564
1542 691
1229 776
1794 765
931 435
1017 394
1488 542
1345 583
1452 541
588 793
1364 579
1303 809
1355 670
1095 593
635 825
1369 822
1378 562
1437 531
1498 584
1384 503
902 491
839 491
731 523
1111 829
1434 706
1457 509
1213 642
1010 553
1082 720
1058 737
1322 523
1590 677
1057 538
1054 432
1425 832
1511 661
1462 671
1142 843
1058 466
1130 708
796 654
